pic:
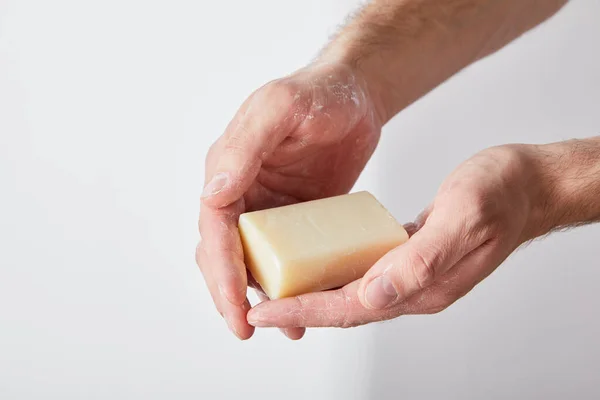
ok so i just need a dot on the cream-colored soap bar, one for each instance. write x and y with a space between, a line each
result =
317 245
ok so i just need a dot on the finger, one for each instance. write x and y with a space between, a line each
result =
208 279
342 308
253 284
234 315
334 308
413 266
422 217
291 333
262 124
414 227
223 246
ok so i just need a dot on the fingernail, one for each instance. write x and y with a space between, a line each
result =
254 318
216 185
380 293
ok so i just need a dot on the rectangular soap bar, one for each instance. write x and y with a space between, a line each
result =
317 245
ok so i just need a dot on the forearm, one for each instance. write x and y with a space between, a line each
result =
569 175
404 48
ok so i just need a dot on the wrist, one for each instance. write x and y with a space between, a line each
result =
342 52
566 182
405 48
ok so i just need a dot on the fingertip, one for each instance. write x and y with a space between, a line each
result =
247 333
236 321
264 315
221 191
253 317
243 333
293 333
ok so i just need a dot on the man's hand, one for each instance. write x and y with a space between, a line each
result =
310 135
303 137
491 204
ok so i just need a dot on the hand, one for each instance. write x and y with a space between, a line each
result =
483 211
303 137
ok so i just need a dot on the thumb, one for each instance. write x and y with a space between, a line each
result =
260 125
411 267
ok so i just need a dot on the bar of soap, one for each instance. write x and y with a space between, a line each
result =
317 245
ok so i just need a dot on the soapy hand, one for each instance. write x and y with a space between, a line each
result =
300 138
483 211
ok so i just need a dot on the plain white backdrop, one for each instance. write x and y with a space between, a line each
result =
107 109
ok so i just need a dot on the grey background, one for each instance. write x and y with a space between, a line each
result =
106 112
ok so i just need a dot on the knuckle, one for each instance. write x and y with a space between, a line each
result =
282 91
346 320
288 96
508 159
482 213
481 205
239 141
297 317
300 303
423 267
